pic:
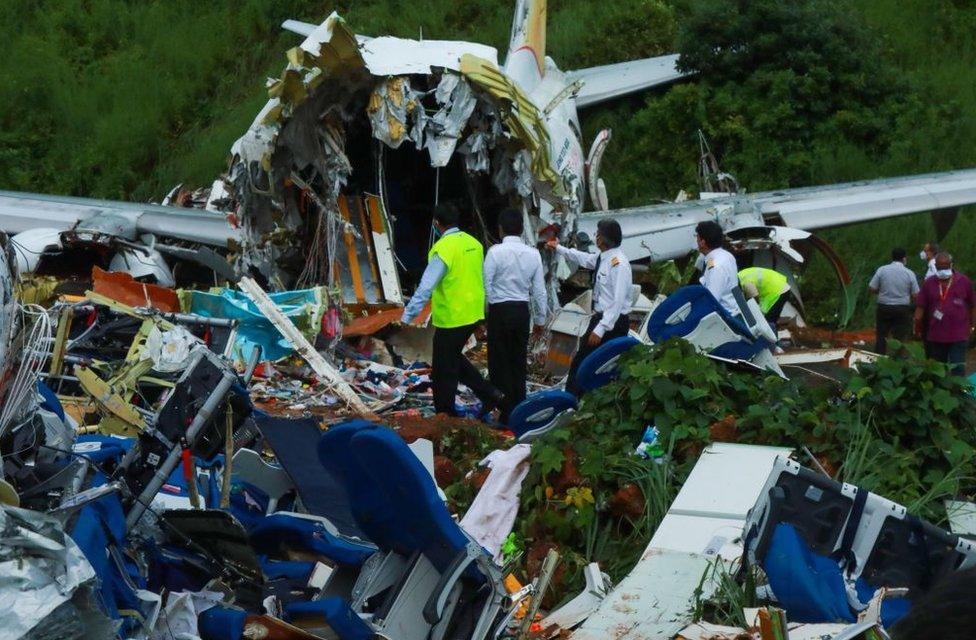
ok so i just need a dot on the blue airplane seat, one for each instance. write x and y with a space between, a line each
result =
372 510
694 314
397 505
279 530
50 400
287 569
543 411
405 482
539 412
600 366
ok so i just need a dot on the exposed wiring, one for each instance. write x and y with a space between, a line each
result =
36 330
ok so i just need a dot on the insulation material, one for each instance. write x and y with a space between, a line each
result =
484 131
169 350
393 107
40 569
457 102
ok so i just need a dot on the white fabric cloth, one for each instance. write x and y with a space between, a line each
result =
492 514
930 269
612 287
513 273
721 277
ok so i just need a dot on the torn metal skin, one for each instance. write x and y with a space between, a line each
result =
485 140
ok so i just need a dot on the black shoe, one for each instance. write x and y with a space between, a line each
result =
494 401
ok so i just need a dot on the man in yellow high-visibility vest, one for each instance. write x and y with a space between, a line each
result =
769 286
454 284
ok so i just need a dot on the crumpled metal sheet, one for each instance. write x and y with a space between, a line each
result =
329 50
512 173
457 102
40 569
392 107
522 119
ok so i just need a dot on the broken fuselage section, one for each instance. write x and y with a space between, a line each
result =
337 178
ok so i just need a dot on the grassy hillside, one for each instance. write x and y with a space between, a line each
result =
123 100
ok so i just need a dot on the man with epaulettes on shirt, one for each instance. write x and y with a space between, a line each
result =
612 284
721 275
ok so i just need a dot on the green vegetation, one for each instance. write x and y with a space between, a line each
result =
587 485
107 98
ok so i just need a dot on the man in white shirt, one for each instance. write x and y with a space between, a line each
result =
721 274
611 291
513 278
929 251
896 287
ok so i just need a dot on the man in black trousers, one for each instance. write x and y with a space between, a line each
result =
612 282
513 279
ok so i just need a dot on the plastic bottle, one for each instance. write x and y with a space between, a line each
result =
650 447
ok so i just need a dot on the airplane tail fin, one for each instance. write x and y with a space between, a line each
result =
529 30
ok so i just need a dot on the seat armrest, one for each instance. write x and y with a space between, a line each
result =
434 608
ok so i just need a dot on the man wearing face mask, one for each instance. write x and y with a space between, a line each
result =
946 309
927 255
611 291
453 282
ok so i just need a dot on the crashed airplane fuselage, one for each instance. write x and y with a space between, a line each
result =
338 175
336 179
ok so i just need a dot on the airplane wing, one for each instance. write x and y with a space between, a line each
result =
615 80
23 211
667 231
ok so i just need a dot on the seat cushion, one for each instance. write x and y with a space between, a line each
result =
287 569
600 366
336 612
221 623
539 409
809 586
739 350
277 531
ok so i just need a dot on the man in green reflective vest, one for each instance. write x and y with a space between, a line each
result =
770 286
454 284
